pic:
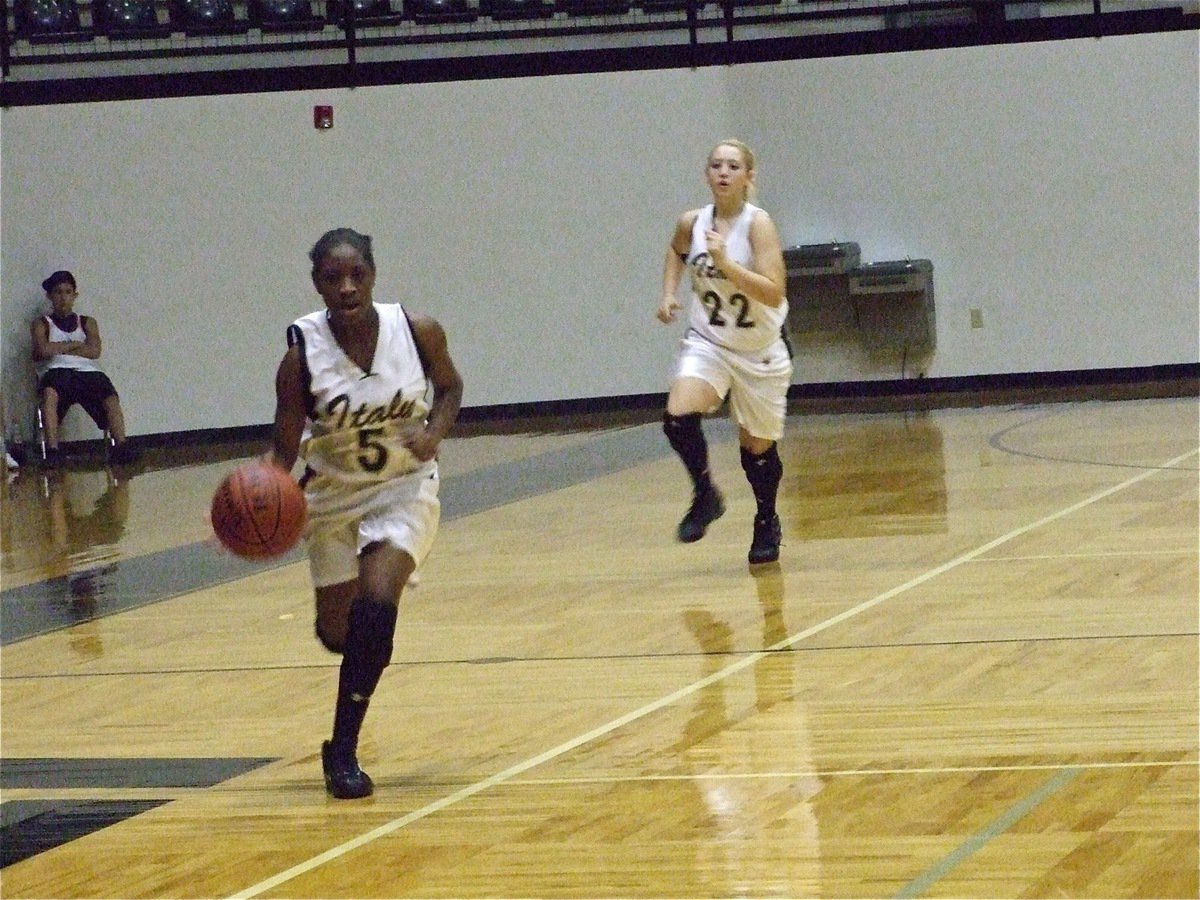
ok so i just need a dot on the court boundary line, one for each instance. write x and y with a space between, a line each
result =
733 668
981 838
180 793
1099 554
614 657
850 773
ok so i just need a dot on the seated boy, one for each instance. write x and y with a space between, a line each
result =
66 346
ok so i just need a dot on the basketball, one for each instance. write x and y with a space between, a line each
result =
259 511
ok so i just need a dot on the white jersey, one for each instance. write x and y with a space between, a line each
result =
66 360
719 312
358 420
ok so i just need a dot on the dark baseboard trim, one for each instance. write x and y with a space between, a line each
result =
1142 382
1180 380
1005 381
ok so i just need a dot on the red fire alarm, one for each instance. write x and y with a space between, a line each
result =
322 117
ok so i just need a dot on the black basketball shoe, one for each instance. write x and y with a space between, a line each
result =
768 534
343 778
707 506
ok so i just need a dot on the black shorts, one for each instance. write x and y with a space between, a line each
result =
88 389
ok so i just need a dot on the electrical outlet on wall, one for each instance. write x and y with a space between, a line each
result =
976 318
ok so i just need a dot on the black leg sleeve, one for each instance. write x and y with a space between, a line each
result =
367 653
764 472
687 440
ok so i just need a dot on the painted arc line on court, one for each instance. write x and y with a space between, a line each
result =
969 847
687 690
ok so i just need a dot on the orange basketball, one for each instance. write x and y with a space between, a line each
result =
259 511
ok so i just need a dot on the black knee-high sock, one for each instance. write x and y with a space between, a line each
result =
687 439
367 653
764 471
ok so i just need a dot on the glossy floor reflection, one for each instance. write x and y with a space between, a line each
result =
890 480
972 673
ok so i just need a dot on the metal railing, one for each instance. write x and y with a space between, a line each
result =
112 49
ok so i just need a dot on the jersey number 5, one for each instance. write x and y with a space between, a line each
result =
374 455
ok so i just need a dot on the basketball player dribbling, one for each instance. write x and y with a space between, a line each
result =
353 397
734 345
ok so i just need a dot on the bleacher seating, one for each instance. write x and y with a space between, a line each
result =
285 15
661 6
37 20
501 10
122 41
366 13
128 19
593 7
206 17
429 12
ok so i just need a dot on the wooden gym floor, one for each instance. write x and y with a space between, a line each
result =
972 674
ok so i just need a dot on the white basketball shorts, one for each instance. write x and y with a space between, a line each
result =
756 384
345 518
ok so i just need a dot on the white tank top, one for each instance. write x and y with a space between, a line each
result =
67 360
719 311
357 419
